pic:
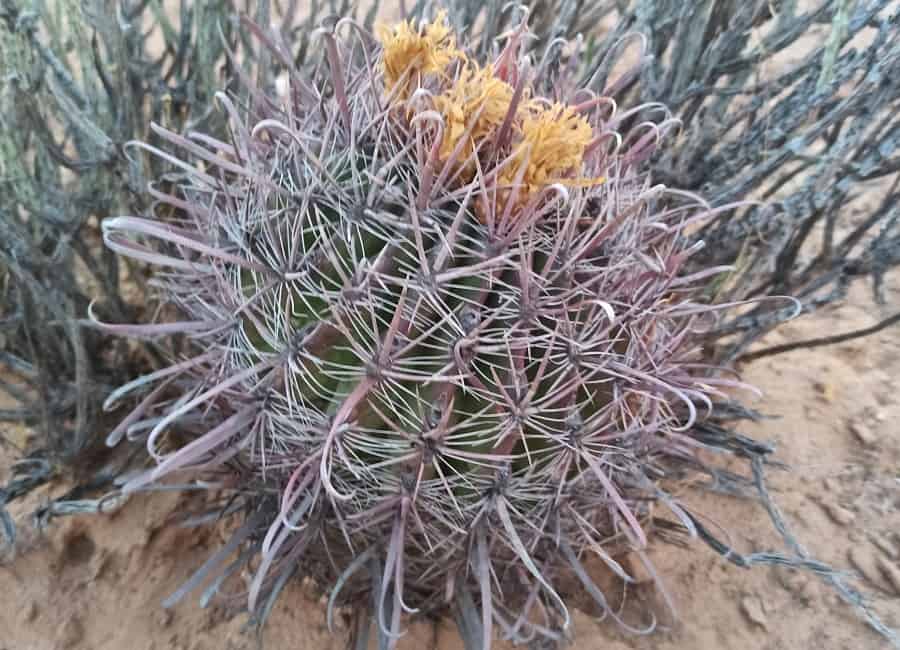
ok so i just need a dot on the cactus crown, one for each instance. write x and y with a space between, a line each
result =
440 336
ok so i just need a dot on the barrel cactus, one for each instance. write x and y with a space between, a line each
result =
435 332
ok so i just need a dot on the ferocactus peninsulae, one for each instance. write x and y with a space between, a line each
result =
438 336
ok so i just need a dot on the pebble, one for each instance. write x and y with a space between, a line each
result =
71 632
30 611
753 610
825 390
864 561
794 581
863 433
163 617
831 484
806 594
838 514
886 546
892 573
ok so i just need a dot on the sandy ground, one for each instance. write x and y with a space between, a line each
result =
97 582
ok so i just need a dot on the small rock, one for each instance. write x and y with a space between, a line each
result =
886 546
838 514
807 593
70 633
892 573
866 563
863 433
831 484
798 584
30 611
825 390
163 617
791 580
752 608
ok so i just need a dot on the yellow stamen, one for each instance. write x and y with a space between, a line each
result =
553 142
551 148
476 95
426 50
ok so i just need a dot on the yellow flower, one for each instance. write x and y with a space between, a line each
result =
553 142
476 95
551 146
410 51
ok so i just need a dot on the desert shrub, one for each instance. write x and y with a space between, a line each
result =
77 82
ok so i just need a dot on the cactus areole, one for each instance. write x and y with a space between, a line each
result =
436 333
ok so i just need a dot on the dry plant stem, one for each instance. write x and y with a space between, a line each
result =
821 341
79 80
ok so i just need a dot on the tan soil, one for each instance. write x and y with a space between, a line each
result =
97 582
